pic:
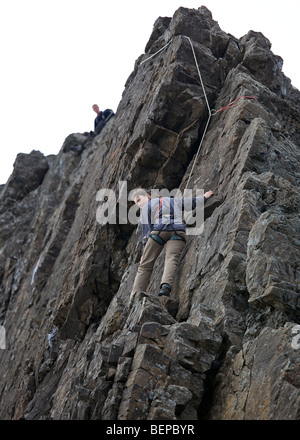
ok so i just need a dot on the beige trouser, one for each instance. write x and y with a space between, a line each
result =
151 252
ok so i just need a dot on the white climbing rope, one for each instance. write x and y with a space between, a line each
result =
156 52
200 77
209 112
199 148
205 96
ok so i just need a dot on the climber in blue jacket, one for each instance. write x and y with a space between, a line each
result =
102 118
162 225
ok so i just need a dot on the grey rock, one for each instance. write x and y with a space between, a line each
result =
225 345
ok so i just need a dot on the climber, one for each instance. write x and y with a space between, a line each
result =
99 123
162 225
102 118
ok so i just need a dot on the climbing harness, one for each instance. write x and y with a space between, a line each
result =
211 112
156 237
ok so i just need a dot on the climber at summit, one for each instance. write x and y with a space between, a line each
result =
99 123
101 118
162 225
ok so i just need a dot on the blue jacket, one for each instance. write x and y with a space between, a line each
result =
98 119
104 116
165 214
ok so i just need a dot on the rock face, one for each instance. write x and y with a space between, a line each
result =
225 345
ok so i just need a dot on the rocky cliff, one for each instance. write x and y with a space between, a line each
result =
225 344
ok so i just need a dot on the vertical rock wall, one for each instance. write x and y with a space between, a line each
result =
225 344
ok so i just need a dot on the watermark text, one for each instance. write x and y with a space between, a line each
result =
186 207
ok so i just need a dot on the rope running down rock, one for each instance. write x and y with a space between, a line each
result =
211 112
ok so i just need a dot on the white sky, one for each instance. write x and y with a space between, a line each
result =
58 57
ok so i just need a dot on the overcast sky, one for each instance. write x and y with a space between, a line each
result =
59 57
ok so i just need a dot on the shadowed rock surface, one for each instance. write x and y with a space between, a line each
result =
225 345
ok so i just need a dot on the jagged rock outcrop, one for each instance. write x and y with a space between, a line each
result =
225 344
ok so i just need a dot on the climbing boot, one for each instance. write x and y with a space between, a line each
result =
165 290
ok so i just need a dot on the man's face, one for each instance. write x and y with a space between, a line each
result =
96 108
141 200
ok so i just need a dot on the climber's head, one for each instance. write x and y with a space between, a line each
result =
141 197
96 108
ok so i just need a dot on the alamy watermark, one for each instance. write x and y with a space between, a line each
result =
113 208
2 338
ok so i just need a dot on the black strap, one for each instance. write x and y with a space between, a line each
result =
158 209
172 213
172 216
